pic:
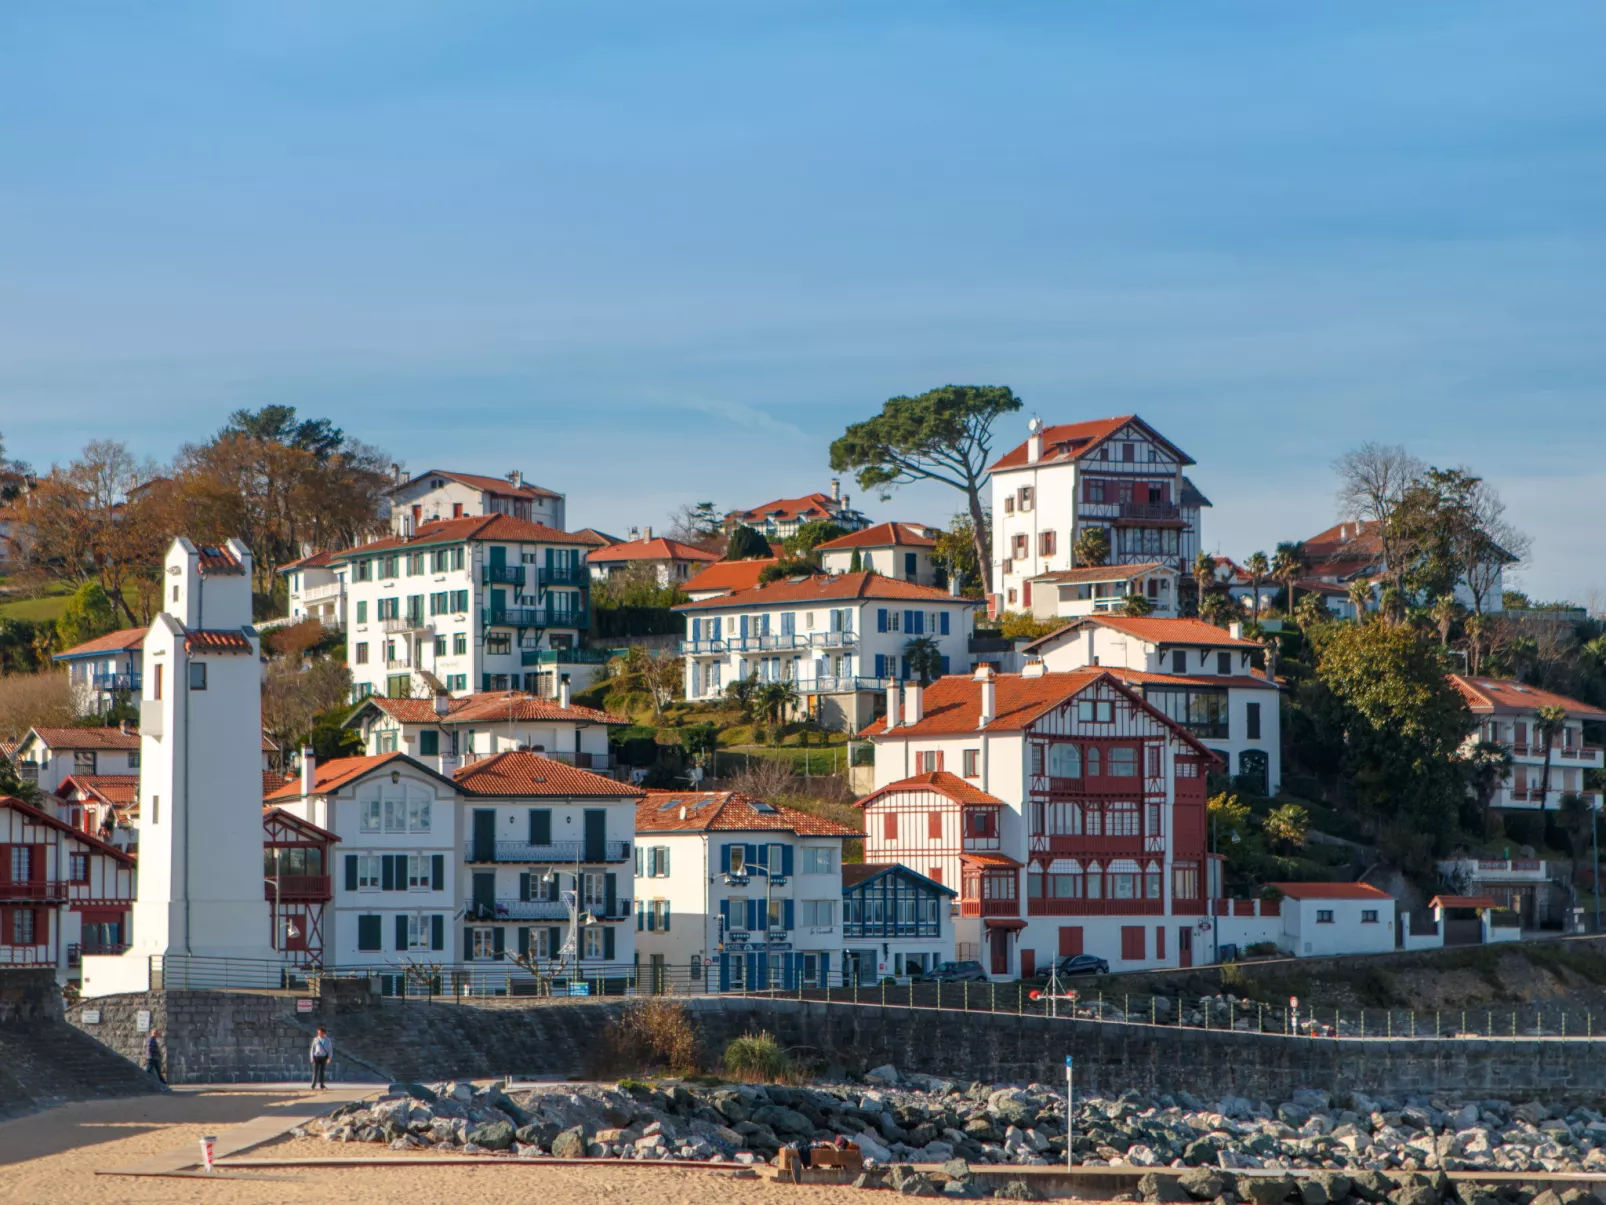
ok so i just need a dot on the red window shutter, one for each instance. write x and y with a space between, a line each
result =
890 827
934 873
36 863
1026 594
1132 943
1159 941
939 759
1070 940
934 825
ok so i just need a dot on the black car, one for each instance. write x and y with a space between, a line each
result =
1074 964
955 972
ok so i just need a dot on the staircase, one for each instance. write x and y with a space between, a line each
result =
47 1063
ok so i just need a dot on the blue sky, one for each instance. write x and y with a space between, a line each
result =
661 252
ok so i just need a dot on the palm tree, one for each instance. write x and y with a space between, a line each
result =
1217 609
1257 567
1550 724
924 658
15 785
775 699
1360 597
1391 604
1476 625
1091 547
1489 765
1204 571
1136 606
1287 563
1443 613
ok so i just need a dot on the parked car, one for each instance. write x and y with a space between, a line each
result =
1074 964
955 972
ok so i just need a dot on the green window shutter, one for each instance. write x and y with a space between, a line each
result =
401 932
540 826
663 860
437 932
607 944
429 743
468 944
554 942
437 872
368 932
387 874
524 886
641 915
610 889
498 937
666 916
351 872
524 942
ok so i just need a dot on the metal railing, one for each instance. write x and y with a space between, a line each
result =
565 657
577 576
515 910
116 682
42 889
840 684
702 647
297 887
411 622
534 617
557 852
1150 510
502 575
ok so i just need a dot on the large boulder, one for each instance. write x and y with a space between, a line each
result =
570 1144
1153 1187
1204 1183
1265 1190
493 1135
1016 1190
1370 1185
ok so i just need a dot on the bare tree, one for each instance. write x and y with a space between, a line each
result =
1492 546
1372 479
41 700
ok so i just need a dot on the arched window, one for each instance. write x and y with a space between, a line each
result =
1064 761
1093 770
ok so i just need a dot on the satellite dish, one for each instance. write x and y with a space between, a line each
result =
1034 425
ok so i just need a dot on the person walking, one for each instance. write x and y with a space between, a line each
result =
153 1056
322 1051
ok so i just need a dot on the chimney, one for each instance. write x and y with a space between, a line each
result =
646 533
892 705
683 812
516 478
309 770
1034 668
912 703
1235 629
126 727
989 697
563 691
836 489
396 474
1034 447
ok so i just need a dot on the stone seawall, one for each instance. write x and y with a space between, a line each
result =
242 1036
44 1062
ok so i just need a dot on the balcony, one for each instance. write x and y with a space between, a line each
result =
1045 907
327 590
557 853
701 648
112 683
1149 512
840 685
564 657
533 617
42 889
411 622
578 575
544 910
502 575
989 907
1580 753
77 950
832 640
397 663
297 888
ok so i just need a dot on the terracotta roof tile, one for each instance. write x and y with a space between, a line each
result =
952 705
839 587
119 790
215 559
1156 631
1067 442
989 860
590 535
36 816
944 782
728 575
656 549
316 560
490 705
124 640
855 873
273 815
1101 573
729 812
1463 901
1503 696
520 773
810 506
272 781
200 640
492 485
1332 891
1254 680
470 527
87 738
882 535
333 774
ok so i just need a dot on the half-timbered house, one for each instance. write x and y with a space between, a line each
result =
63 892
296 857
1069 812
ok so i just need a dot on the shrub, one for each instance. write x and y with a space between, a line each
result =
1262 949
756 1057
650 1034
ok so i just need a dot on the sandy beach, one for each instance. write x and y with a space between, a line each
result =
52 1157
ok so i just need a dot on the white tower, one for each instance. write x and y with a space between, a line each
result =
200 782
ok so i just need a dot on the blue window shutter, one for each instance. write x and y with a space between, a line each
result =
764 624
498 942
908 623
387 874
725 910
786 914
881 619
725 859
696 629
666 916
437 872
743 625
752 856
942 623
641 915
825 969
437 932
401 932
945 666
847 620
724 972
607 944
881 665
752 914
786 860
351 872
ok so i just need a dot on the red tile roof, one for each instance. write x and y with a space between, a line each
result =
952 705
520 773
728 575
1253 680
882 535
124 640
36 816
273 815
943 782
729 812
1156 631
332 775
216 559
590 535
485 706
87 738
989 860
120 790
199 640
503 528
1463 901
1502 696
316 560
491 485
656 549
1102 573
1332 891
272 781
810 506
1067 442
855 873
840 587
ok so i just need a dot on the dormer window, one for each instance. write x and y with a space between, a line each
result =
1179 661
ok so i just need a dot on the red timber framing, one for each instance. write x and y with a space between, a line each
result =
935 823
1107 825
296 857
51 873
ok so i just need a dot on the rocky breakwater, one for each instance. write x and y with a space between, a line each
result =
1377 1147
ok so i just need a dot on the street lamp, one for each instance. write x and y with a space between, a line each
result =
739 878
577 916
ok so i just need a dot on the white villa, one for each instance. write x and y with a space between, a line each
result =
900 550
671 561
103 668
1119 474
1507 713
441 494
1104 589
838 639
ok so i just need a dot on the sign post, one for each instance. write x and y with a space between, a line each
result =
1070 1114
1293 1012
